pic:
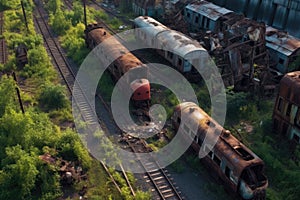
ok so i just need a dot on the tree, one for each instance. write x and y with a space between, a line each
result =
18 176
7 93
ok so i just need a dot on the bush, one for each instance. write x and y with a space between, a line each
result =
53 97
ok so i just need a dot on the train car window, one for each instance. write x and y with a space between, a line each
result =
170 55
179 62
217 160
200 141
280 104
288 110
296 138
227 172
196 139
207 23
210 154
178 120
281 61
188 15
197 19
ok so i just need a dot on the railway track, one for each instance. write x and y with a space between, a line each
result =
59 60
159 177
3 48
163 186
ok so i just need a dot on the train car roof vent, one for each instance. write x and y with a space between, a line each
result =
243 153
192 110
226 133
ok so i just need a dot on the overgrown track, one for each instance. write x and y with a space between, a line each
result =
3 48
163 186
53 49
159 178
59 60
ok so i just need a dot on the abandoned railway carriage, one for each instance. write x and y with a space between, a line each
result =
286 115
238 167
181 51
140 87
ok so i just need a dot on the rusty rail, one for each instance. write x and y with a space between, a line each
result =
158 176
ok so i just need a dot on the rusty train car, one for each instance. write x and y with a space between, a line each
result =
286 114
119 65
240 170
181 51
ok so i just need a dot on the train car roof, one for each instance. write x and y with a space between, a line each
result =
151 26
208 9
229 146
115 50
179 43
146 21
281 41
290 87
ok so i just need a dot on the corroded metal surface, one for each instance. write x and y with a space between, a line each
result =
240 169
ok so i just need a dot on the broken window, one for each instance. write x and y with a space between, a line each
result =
280 104
281 61
296 138
178 120
217 160
254 176
210 154
179 62
188 15
207 23
196 19
196 139
200 141
227 172
288 110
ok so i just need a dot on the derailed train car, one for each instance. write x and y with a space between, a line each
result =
177 48
286 114
241 170
120 62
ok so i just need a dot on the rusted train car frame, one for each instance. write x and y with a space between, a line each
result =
286 114
241 170
118 66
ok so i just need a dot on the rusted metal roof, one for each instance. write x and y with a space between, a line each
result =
228 145
179 43
208 9
290 87
281 41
